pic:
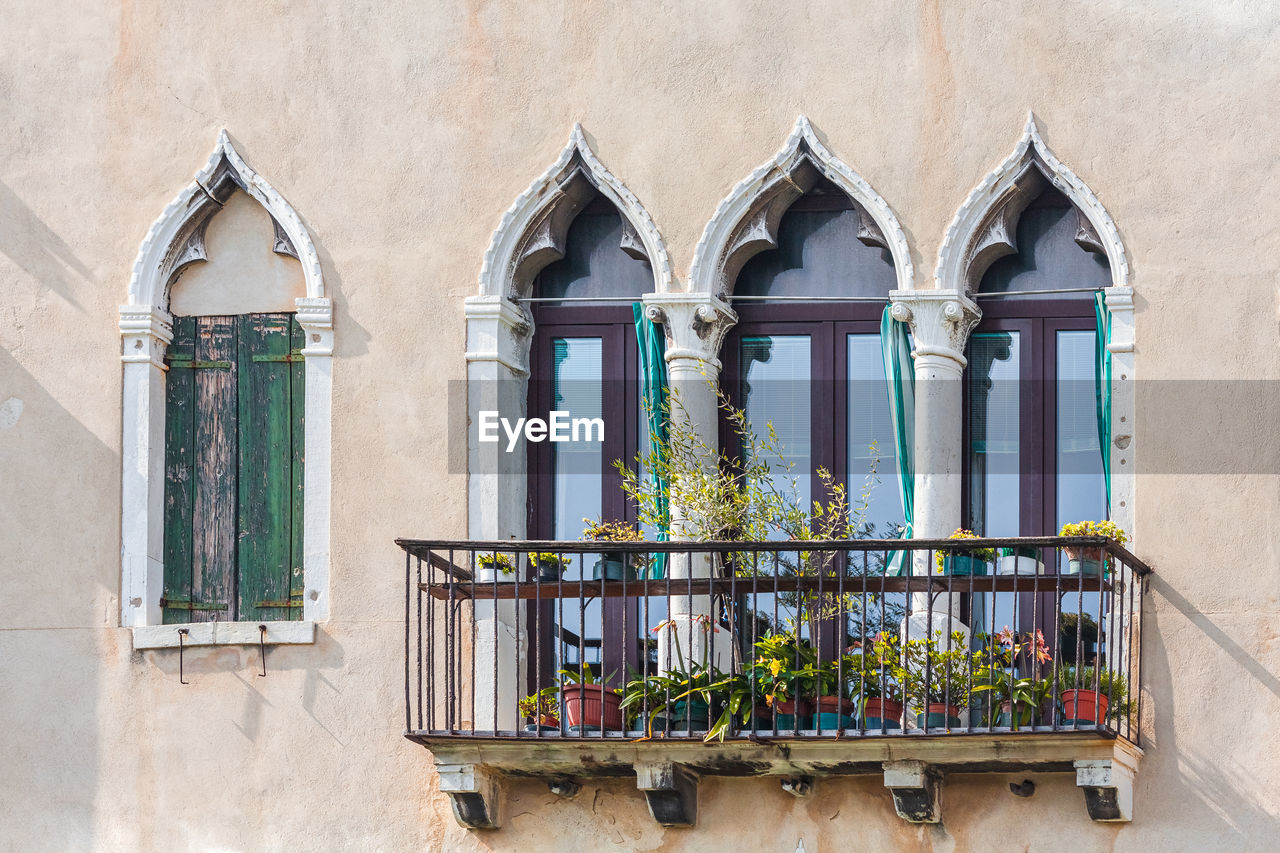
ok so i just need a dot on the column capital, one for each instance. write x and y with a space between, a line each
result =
315 316
941 321
695 325
498 330
146 331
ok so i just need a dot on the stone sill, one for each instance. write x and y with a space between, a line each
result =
471 768
223 634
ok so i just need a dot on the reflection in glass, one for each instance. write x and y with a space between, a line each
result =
577 481
1080 488
994 424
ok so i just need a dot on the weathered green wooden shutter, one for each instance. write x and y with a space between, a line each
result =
269 499
200 470
233 469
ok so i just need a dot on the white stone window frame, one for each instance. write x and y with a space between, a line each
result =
983 229
175 240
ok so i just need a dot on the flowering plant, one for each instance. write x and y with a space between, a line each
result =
501 561
1106 528
986 555
1025 694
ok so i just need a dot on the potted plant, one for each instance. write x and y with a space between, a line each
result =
588 704
882 683
542 710
550 567
785 674
1019 560
837 681
614 565
1082 705
1087 560
963 563
491 563
1016 699
938 677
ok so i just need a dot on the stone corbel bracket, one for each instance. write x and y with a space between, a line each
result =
671 791
916 790
474 793
1107 784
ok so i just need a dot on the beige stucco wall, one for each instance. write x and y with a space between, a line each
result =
401 133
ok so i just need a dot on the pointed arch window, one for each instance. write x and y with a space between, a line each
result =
240 555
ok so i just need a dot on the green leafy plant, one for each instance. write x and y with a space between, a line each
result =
939 670
986 555
585 677
544 704
490 559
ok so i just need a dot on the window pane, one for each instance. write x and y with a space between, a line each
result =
1080 488
870 424
775 390
994 423
776 371
577 480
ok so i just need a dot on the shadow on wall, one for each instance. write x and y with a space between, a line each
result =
59 585
32 245
1205 777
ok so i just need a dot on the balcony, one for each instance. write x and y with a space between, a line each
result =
673 661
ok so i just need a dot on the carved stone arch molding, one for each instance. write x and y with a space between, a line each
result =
533 230
984 227
746 222
175 241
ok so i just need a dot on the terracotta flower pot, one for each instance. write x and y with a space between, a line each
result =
1084 707
877 712
938 715
793 714
591 706
835 712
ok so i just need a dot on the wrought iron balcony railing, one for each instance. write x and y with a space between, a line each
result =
759 642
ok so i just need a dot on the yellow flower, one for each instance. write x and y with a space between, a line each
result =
768 699
775 666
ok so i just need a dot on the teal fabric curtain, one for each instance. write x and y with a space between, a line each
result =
1102 386
653 389
900 377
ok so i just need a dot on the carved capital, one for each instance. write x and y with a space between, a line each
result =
145 333
315 316
498 330
695 326
941 321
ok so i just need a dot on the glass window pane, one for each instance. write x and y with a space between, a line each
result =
869 423
994 425
1081 491
577 481
775 390
776 372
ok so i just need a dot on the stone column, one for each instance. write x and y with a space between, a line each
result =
315 316
498 334
695 325
146 333
941 321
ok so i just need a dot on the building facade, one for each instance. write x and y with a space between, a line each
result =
224 397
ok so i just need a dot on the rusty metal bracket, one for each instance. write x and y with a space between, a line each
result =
182 649
262 649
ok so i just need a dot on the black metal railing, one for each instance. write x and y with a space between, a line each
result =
538 640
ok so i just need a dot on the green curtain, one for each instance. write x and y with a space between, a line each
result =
899 373
653 390
1102 386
